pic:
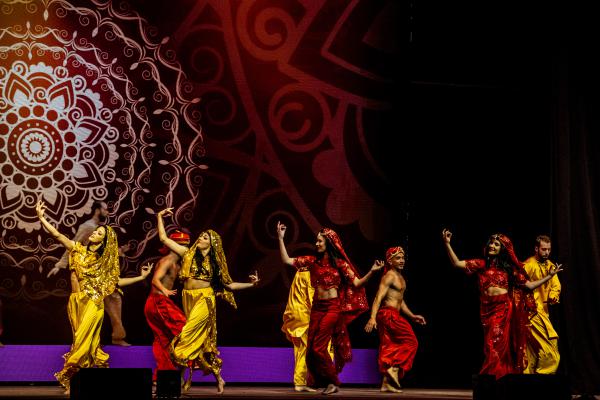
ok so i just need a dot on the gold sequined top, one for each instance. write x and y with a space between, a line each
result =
98 275
189 267
204 272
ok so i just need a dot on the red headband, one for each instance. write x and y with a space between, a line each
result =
393 251
178 237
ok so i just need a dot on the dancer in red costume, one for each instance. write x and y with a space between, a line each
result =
163 316
397 341
339 299
506 300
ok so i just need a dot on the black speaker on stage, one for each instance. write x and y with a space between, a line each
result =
168 384
484 387
521 387
112 383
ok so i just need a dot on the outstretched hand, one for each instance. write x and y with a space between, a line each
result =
166 211
40 208
254 279
53 271
146 269
446 235
419 319
281 228
555 269
377 265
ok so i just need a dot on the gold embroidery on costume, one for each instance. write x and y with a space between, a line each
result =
189 267
196 346
98 275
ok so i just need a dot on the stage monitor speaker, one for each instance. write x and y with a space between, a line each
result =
168 384
521 387
112 383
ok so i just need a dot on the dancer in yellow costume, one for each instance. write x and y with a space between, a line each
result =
204 273
295 325
94 275
296 318
542 347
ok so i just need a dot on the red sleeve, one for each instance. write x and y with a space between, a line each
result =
304 263
521 277
474 265
346 271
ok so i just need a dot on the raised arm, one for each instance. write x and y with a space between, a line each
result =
446 236
535 284
419 319
377 265
161 270
83 233
384 285
145 271
285 258
162 234
40 208
245 285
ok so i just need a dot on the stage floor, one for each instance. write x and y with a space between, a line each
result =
255 392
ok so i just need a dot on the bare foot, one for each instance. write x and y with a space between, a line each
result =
331 389
386 387
121 343
220 385
304 388
67 392
392 375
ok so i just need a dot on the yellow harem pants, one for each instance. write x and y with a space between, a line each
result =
86 322
196 346
295 322
542 347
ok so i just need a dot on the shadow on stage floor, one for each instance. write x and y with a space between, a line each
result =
25 392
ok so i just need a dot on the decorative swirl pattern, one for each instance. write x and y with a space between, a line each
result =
87 101
292 96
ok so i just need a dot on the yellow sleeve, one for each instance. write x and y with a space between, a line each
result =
554 293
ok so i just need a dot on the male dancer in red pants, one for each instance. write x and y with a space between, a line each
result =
397 341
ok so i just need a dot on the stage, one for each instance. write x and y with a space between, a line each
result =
254 392
26 372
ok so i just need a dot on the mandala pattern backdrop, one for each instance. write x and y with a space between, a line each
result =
93 107
295 98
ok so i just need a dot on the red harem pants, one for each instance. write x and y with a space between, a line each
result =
397 341
496 315
325 316
166 321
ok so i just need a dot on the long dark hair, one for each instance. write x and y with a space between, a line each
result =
331 251
503 260
215 281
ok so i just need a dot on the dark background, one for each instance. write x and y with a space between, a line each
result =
482 118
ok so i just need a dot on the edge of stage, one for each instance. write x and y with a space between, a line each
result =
26 372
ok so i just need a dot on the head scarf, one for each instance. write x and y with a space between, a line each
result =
523 305
219 255
100 276
178 237
391 253
508 246
353 301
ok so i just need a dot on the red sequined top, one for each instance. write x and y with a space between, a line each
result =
322 273
492 276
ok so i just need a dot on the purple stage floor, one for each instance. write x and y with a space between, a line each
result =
38 363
